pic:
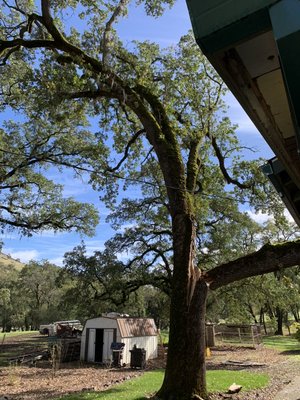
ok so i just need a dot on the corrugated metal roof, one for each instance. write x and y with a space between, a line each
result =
132 327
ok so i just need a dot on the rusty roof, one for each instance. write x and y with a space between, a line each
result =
133 327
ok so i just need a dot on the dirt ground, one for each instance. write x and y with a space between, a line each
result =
40 381
281 368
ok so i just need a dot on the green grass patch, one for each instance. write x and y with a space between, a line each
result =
150 382
7 335
282 343
220 380
164 337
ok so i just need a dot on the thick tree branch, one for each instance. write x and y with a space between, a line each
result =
125 155
158 253
29 44
105 42
178 114
224 171
112 92
59 43
159 112
167 232
193 165
269 258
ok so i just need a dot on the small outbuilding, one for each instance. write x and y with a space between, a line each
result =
100 334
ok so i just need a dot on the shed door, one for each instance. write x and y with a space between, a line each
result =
91 345
108 338
99 346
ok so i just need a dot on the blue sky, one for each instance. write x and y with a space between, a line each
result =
166 31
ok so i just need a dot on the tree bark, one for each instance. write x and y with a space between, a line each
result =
270 258
295 312
279 318
252 313
185 371
262 320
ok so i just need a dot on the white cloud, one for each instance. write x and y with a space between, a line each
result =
91 247
75 190
288 216
245 126
49 233
9 236
57 261
94 245
24 255
205 250
263 217
259 217
124 256
124 227
238 116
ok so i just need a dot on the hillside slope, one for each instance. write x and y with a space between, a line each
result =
6 260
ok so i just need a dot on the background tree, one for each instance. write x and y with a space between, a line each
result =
101 283
8 309
5 302
273 295
38 284
146 101
29 201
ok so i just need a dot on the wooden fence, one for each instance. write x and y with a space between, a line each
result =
249 335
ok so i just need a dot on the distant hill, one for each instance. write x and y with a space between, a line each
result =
8 260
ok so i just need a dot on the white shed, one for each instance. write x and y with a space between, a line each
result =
99 333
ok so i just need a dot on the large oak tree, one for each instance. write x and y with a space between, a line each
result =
147 102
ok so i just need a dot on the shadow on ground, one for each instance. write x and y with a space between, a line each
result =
290 352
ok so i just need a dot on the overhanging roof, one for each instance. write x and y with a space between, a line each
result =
254 46
287 189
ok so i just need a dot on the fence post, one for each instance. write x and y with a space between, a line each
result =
210 336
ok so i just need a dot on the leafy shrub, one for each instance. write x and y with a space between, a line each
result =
297 334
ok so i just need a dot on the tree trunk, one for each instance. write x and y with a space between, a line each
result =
279 318
287 322
262 320
185 376
252 313
3 324
270 311
295 313
26 323
185 371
